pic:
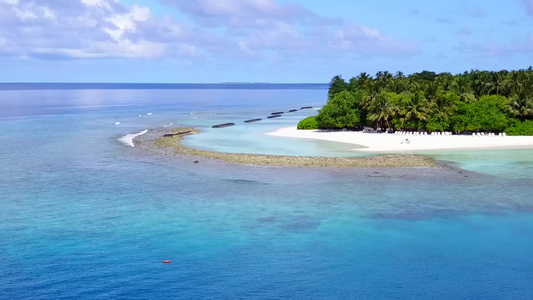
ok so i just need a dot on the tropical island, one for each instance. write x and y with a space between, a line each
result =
471 102
431 111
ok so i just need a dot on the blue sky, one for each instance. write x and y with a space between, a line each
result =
257 40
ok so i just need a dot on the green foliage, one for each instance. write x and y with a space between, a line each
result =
340 112
520 128
490 114
444 104
436 123
462 117
415 107
521 104
425 75
353 85
308 123
382 108
486 114
336 86
474 100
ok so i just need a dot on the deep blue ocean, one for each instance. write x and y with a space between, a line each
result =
85 216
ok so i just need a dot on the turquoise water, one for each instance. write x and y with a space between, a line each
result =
512 163
84 216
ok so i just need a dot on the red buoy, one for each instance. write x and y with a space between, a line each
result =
166 261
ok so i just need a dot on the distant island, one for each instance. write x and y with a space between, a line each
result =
475 101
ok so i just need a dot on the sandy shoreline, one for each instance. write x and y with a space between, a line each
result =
383 142
169 142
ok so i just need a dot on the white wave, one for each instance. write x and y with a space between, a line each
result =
165 126
128 138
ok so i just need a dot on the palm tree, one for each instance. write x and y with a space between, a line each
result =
381 109
413 85
353 85
363 79
416 108
462 87
445 81
479 82
521 105
431 89
515 81
496 83
373 87
400 83
383 80
444 104
399 75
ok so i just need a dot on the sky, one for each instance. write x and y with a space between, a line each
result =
285 41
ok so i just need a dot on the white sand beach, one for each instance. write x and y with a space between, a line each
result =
385 142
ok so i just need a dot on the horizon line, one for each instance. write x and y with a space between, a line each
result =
225 82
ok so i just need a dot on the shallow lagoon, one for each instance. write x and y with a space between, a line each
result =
85 216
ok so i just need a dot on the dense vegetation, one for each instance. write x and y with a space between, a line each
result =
472 101
308 123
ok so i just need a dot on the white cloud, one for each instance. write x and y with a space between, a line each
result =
243 12
24 14
127 21
259 27
105 4
126 49
47 13
367 41
256 28
87 29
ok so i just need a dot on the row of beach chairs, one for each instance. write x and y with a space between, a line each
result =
488 134
447 133
421 133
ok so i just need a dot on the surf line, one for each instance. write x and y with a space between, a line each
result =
128 138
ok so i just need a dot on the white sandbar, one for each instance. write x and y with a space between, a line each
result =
385 142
